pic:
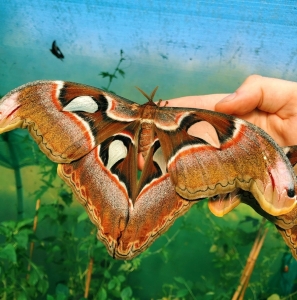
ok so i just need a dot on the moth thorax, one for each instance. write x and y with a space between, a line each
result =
146 138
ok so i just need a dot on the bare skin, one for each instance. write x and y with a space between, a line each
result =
269 103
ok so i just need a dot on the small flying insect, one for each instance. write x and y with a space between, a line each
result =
56 51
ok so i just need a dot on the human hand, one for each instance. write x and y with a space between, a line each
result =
269 103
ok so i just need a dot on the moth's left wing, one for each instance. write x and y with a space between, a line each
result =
67 120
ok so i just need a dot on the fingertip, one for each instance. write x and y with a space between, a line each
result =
236 104
228 105
140 161
228 98
227 102
245 99
201 102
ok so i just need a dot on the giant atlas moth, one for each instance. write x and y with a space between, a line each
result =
96 136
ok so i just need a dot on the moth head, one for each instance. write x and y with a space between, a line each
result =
150 97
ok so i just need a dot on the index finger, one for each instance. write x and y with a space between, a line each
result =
202 102
270 95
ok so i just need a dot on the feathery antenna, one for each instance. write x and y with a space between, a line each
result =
148 97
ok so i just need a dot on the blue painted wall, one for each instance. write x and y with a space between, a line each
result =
185 47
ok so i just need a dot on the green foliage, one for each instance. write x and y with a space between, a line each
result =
230 246
67 249
16 282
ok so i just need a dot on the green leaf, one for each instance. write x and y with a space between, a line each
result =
254 221
33 278
83 216
180 280
126 293
66 197
47 211
121 72
62 297
56 249
213 248
62 289
106 274
28 223
182 293
111 284
22 238
9 224
102 294
22 296
42 286
121 278
8 253
39 193
274 297
104 74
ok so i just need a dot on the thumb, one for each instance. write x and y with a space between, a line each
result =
244 100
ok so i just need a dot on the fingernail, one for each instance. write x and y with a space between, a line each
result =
229 98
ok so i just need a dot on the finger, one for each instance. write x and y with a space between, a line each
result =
140 161
202 102
267 94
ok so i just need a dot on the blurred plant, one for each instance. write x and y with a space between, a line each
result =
229 250
14 148
113 75
15 281
64 250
